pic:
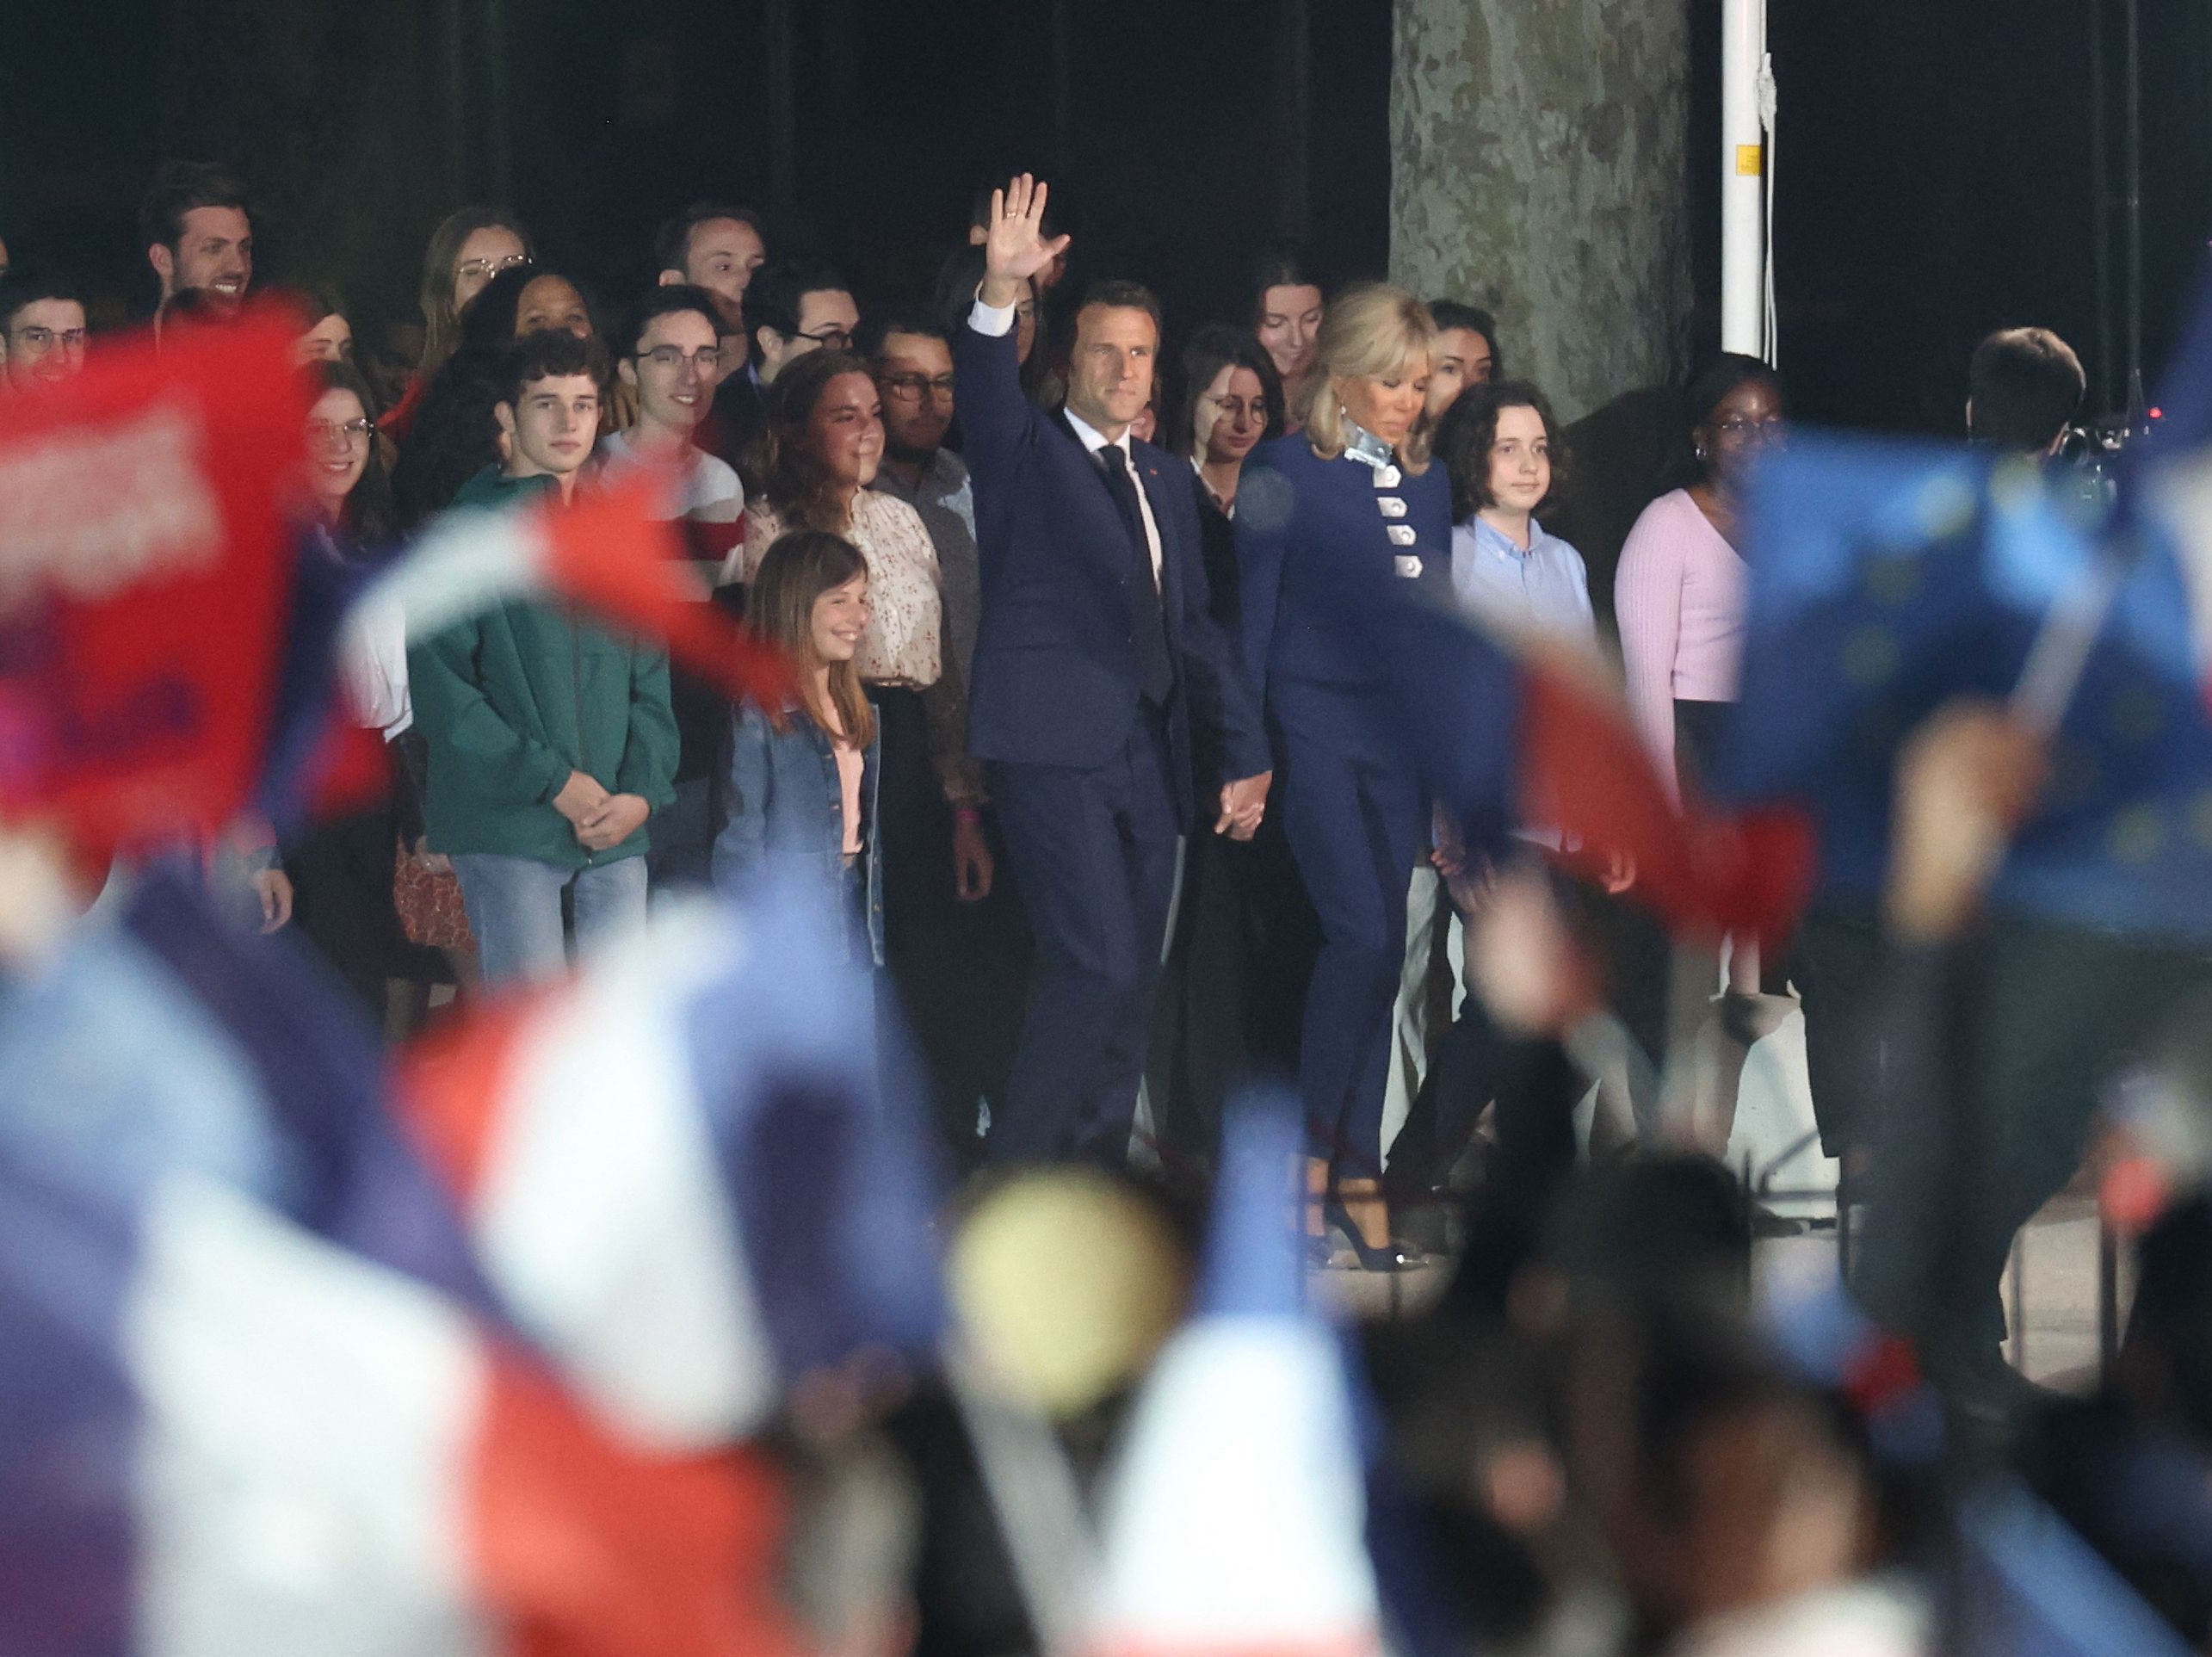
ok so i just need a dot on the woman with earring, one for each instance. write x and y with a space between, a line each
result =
1679 595
1351 497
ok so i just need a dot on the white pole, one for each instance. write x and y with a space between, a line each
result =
1744 162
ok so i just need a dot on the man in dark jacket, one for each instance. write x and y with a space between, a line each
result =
551 742
1099 672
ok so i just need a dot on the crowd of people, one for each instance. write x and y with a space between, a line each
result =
1123 821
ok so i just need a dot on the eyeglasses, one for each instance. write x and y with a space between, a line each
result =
339 431
913 387
833 339
707 359
1735 431
489 268
43 339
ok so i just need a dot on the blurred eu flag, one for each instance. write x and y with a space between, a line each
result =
1887 579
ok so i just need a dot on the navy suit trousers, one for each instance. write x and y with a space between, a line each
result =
1356 824
1093 854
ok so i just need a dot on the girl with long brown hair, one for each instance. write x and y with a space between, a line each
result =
801 794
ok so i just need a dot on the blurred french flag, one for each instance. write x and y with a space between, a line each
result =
606 552
693 1173
1235 1522
1511 732
253 1396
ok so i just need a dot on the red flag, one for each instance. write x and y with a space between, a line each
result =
145 574
608 554
1586 773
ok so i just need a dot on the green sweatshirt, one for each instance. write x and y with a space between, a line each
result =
512 700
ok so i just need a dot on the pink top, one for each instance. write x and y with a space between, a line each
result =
1678 596
851 763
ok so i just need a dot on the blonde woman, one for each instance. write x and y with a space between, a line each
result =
1354 489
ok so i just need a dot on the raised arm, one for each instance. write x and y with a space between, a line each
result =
994 415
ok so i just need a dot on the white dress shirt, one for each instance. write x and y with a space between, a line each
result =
994 321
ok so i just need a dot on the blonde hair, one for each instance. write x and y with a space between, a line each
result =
1370 331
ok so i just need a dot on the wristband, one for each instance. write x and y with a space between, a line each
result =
966 813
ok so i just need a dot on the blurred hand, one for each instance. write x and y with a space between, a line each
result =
273 887
1521 958
617 818
1620 874
1966 780
1244 803
973 868
1014 246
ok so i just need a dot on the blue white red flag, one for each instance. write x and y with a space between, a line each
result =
146 582
1235 1519
685 1173
229 1429
606 552
1511 732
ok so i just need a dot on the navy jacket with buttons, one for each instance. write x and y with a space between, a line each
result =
1056 679
1304 526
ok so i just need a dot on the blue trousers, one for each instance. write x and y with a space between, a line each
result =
1093 854
514 908
1354 821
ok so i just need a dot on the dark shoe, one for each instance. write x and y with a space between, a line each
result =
1391 1256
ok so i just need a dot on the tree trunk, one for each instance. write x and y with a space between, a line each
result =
1539 170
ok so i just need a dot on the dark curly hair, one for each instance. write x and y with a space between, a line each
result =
1470 429
792 481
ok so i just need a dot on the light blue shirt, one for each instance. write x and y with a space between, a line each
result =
1544 590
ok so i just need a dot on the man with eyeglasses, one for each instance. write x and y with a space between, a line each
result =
967 1034
42 333
673 360
792 309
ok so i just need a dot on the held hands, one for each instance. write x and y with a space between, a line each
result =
579 797
1014 247
1244 802
619 817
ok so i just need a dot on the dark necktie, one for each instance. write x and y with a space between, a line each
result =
1150 630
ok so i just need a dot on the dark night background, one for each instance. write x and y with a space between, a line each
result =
1934 155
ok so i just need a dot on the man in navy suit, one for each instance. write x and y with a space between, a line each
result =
1094 659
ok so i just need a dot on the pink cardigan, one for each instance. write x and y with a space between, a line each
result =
1678 596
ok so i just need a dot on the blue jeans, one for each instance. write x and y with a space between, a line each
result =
514 909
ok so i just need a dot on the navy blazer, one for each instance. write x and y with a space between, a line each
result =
1304 527
1056 680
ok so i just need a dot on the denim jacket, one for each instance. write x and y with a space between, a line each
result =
784 810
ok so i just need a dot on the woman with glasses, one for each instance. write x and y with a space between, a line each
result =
1678 595
1678 592
342 869
470 246
1237 965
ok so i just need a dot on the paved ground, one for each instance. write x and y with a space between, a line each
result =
2056 1339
